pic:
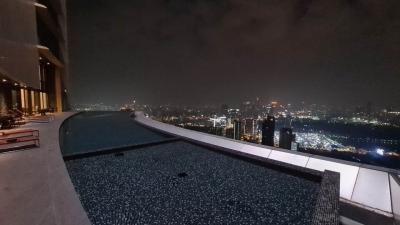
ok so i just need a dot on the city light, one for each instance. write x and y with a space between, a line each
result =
315 128
380 151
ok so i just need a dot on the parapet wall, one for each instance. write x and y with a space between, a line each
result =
367 186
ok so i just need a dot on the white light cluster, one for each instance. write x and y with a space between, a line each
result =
314 141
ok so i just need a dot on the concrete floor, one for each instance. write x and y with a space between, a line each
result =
35 187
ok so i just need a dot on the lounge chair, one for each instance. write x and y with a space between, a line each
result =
18 139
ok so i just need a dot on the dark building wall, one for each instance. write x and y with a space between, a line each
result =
249 126
48 38
268 129
24 25
18 39
237 129
58 13
229 133
3 100
286 137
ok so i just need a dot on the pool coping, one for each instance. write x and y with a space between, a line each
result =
109 150
326 211
355 186
117 149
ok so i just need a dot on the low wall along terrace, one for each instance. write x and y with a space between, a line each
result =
364 185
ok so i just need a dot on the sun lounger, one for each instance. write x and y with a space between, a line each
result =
18 139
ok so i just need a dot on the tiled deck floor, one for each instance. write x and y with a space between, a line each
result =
35 188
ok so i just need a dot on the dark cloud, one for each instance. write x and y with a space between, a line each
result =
207 51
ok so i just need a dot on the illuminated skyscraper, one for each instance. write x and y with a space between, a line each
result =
224 109
229 132
237 129
268 128
250 127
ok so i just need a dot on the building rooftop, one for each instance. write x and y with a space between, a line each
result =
177 180
160 173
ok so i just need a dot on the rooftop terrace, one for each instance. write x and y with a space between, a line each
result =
146 172
180 182
368 194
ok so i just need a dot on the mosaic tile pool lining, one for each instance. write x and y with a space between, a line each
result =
182 183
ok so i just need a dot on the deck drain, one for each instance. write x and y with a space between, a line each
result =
182 174
119 154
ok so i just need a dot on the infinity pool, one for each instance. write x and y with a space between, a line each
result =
177 182
181 183
93 131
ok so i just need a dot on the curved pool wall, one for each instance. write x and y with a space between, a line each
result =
91 132
182 182
363 185
35 187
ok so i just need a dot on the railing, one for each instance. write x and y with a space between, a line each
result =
19 139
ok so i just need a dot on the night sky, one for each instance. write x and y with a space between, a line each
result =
335 52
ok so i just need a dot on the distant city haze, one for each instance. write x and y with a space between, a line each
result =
336 52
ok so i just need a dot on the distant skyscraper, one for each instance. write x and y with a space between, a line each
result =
229 132
295 146
250 127
224 109
268 128
245 109
286 138
272 110
237 129
368 110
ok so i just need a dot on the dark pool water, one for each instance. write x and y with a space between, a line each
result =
182 183
92 131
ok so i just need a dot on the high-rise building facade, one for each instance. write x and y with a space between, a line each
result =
286 138
33 55
250 127
237 129
229 132
268 129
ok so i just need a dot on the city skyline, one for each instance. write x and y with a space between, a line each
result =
199 112
362 107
